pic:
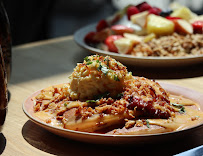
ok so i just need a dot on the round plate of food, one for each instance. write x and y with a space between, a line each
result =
104 103
143 35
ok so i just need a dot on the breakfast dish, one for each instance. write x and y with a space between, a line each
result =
104 98
147 31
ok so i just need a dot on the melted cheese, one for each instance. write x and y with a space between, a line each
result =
191 117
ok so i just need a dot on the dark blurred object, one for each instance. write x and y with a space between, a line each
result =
3 92
5 39
71 15
29 20
35 20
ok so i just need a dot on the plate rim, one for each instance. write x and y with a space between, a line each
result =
43 124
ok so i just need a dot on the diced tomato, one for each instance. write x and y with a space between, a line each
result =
198 27
143 6
120 29
155 10
110 42
101 25
131 11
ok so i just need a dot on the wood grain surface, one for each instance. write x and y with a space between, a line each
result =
41 64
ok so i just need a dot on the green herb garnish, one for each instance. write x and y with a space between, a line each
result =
91 101
116 78
104 70
100 67
86 59
147 123
181 107
65 104
97 61
88 63
107 61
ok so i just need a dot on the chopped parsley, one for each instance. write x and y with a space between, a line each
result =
107 60
116 78
104 70
88 63
100 67
65 104
91 101
86 59
147 123
181 107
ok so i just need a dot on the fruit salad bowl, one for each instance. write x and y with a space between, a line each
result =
146 35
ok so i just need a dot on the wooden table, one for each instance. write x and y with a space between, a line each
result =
41 64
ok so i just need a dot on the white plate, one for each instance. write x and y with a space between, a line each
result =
132 60
120 139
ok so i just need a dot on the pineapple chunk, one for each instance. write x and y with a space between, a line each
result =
124 45
137 39
159 25
140 18
149 37
184 13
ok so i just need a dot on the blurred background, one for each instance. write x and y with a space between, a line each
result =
33 20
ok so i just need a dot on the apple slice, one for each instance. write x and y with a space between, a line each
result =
184 27
140 18
124 45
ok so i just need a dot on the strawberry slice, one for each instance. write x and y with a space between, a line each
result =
89 38
155 10
198 27
97 37
131 11
143 6
110 42
120 29
101 25
172 18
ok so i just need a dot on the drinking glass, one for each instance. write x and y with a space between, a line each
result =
3 91
5 39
